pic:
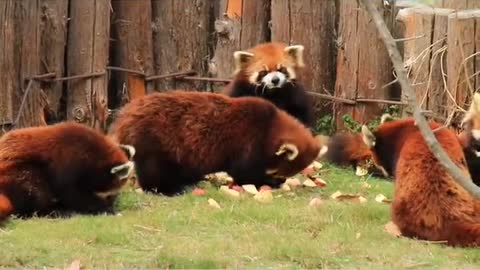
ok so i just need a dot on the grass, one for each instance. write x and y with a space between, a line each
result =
185 232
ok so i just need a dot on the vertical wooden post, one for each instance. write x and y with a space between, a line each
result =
437 96
132 47
88 46
181 37
311 24
363 65
53 39
240 24
460 4
21 48
461 57
7 60
418 28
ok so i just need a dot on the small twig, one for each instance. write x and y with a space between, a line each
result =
170 75
409 38
146 228
385 101
81 76
22 104
126 70
206 79
462 178
333 98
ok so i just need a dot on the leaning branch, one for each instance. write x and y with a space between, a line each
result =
432 143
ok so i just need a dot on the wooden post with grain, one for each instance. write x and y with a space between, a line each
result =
240 24
88 51
363 64
132 48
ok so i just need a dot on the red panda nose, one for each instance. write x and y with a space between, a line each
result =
275 80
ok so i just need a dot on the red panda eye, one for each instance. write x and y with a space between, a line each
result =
262 74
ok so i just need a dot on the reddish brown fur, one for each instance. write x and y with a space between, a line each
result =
428 203
58 167
348 149
182 135
291 97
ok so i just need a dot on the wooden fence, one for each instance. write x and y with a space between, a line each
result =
82 59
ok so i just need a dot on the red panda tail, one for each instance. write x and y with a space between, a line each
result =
6 207
464 234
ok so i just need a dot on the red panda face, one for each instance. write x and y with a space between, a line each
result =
269 65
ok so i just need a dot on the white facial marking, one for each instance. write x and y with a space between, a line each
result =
123 171
291 73
476 134
274 79
477 153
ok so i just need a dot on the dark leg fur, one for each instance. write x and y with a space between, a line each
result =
76 196
167 178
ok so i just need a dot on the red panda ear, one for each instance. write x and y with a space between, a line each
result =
295 52
290 149
128 149
123 171
368 137
241 58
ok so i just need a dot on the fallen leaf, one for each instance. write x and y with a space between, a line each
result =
366 185
339 196
361 171
75 265
230 192
317 165
250 189
315 202
293 182
198 191
264 196
382 199
392 228
237 188
265 187
320 182
308 170
309 183
213 203
285 187
357 236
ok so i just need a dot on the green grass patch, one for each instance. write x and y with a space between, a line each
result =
185 232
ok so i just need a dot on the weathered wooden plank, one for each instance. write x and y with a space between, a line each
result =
437 96
132 47
460 59
418 28
181 37
240 25
20 60
375 67
7 60
88 50
347 59
311 24
363 65
53 39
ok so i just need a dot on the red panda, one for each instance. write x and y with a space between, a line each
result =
65 167
427 204
180 136
348 149
271 70
470 138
